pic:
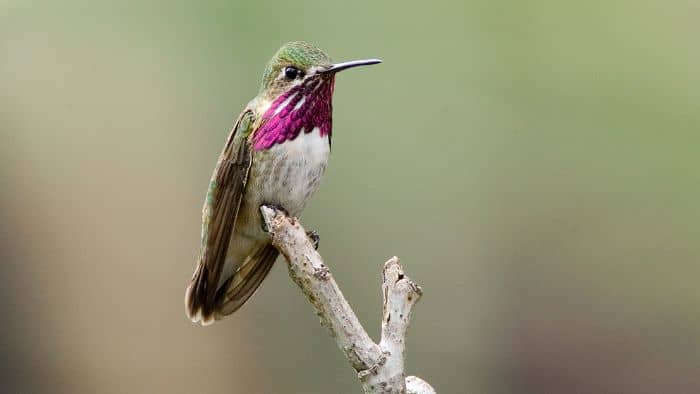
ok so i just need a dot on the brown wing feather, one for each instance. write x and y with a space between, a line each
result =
220 213
243 284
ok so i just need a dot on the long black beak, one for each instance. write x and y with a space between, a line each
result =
334 68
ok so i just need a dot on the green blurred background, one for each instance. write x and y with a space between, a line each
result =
534 164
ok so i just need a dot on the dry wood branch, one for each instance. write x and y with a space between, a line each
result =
380 368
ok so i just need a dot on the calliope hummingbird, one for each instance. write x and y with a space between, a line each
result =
275 155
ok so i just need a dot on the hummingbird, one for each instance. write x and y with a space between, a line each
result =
275 155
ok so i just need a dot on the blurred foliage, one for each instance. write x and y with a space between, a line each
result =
534 164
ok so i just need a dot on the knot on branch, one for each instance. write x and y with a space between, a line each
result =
372 370
321 272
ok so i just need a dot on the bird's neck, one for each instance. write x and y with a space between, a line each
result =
301 109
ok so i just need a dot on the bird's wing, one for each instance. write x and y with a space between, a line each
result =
240 287
219 217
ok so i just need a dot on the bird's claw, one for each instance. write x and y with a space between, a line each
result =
314 238
312 234
277 208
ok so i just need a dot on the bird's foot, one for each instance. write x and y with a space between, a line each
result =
314 237
278 208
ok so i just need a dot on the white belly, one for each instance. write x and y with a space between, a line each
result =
286 175
289 173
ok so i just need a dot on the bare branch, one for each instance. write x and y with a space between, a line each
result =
380 368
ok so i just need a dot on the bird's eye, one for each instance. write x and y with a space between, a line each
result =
291 72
